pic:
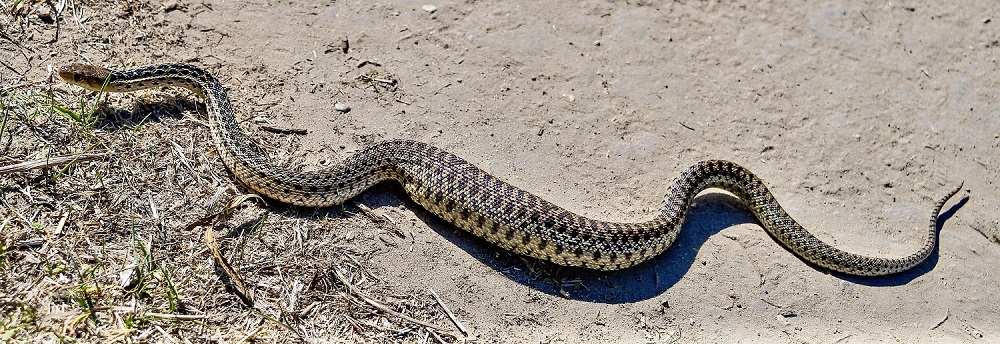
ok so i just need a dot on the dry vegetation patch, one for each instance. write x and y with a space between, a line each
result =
103 193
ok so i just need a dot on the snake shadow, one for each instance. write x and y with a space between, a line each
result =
110 118
714 212
909 275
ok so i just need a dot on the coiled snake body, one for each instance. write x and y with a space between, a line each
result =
488 207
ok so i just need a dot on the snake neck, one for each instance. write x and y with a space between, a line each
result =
226 133
231 141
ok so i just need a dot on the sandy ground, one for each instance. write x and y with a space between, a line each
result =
858 117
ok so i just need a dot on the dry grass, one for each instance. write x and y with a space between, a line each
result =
104 250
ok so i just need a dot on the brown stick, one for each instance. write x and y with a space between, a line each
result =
282 130
447 311
381 307
49 162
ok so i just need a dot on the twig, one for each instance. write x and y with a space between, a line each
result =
153 314
176 316
4 225
449 313
354 324
239 288
213 246
436 337
282 130
21 85
49 162
366 210
237 282
62 222
844 338
380 218
946 315
354 291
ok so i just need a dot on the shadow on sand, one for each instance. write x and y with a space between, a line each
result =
715 212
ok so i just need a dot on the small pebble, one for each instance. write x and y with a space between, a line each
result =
430 8
30 259
171 6
45 15
341 107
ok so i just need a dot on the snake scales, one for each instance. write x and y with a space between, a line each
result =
488 207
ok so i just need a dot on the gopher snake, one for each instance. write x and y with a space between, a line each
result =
488 207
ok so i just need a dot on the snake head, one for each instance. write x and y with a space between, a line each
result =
87 76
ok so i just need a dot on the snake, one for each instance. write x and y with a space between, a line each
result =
486 206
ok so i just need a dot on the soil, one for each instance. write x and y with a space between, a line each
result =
858 116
